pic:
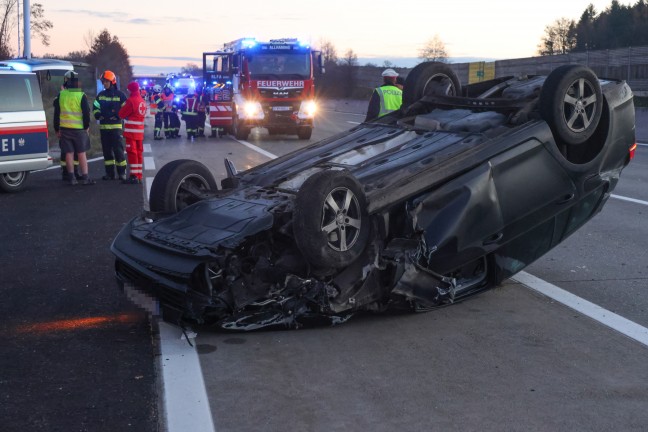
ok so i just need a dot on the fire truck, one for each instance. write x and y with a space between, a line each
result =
262 84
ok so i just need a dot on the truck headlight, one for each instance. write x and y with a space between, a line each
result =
252 109
307 109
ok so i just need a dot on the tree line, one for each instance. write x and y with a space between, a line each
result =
617 26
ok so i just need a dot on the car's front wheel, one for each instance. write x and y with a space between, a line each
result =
571 102
179 184
330 222
13 182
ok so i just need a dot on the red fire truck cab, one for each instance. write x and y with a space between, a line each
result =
262 84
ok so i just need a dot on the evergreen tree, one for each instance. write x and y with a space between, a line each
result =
108 53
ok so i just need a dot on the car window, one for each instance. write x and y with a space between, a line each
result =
19 93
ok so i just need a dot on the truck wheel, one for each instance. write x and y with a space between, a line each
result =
330 221
13 182
179 184
240 132
571 102
304 132
430 78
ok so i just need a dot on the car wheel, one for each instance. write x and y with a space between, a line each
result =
13 182
240 132
571 103
330 221
304 132
179 184
430 78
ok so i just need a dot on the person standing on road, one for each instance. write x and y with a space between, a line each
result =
133 112
157 107
106 109
167 99
386 98
72 126
189 111
203 105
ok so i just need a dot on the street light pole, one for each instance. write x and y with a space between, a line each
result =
27 28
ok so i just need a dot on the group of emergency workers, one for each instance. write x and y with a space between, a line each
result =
117 115
192 108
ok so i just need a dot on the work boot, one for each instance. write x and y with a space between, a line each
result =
122 177
85 180
72 179
108 177
132 180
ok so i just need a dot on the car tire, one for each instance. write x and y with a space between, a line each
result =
179 184
571 102
304 132
430 78
13 182
330 220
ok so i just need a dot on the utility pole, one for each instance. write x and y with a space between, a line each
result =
18 21
27 28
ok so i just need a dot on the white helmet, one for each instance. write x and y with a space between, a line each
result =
157 88
389 73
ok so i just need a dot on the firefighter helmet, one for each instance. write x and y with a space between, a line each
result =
157 88
390 73
109 76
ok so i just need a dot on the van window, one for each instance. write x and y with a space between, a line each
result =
20 93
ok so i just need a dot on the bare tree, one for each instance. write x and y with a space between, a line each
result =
329 54
8 20
192 69
89 39
559 38
434 50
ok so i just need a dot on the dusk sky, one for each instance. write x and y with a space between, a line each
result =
167 35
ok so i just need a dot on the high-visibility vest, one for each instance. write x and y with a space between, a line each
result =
155 99
70 105
391 99
168 101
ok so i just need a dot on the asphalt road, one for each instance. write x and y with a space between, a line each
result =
77 356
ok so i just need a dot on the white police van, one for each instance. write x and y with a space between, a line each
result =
23 126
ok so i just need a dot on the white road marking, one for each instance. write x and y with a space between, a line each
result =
147 148
636 201
642 144
352 122
597 313
149 163
186 404
258 149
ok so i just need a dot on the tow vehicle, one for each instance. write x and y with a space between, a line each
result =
262 84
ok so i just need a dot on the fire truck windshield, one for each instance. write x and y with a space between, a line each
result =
296 65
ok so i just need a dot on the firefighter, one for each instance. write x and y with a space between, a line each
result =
203 104
133 112
169 112
386 98
106 110
157 108
189 112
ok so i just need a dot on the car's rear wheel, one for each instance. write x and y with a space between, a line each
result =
330 221
571 102
179 184
13 182
430 78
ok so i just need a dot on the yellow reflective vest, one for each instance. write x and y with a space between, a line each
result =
391 98
71 112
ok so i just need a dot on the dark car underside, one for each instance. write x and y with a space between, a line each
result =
458 190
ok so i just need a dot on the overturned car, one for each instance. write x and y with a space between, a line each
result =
458 190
